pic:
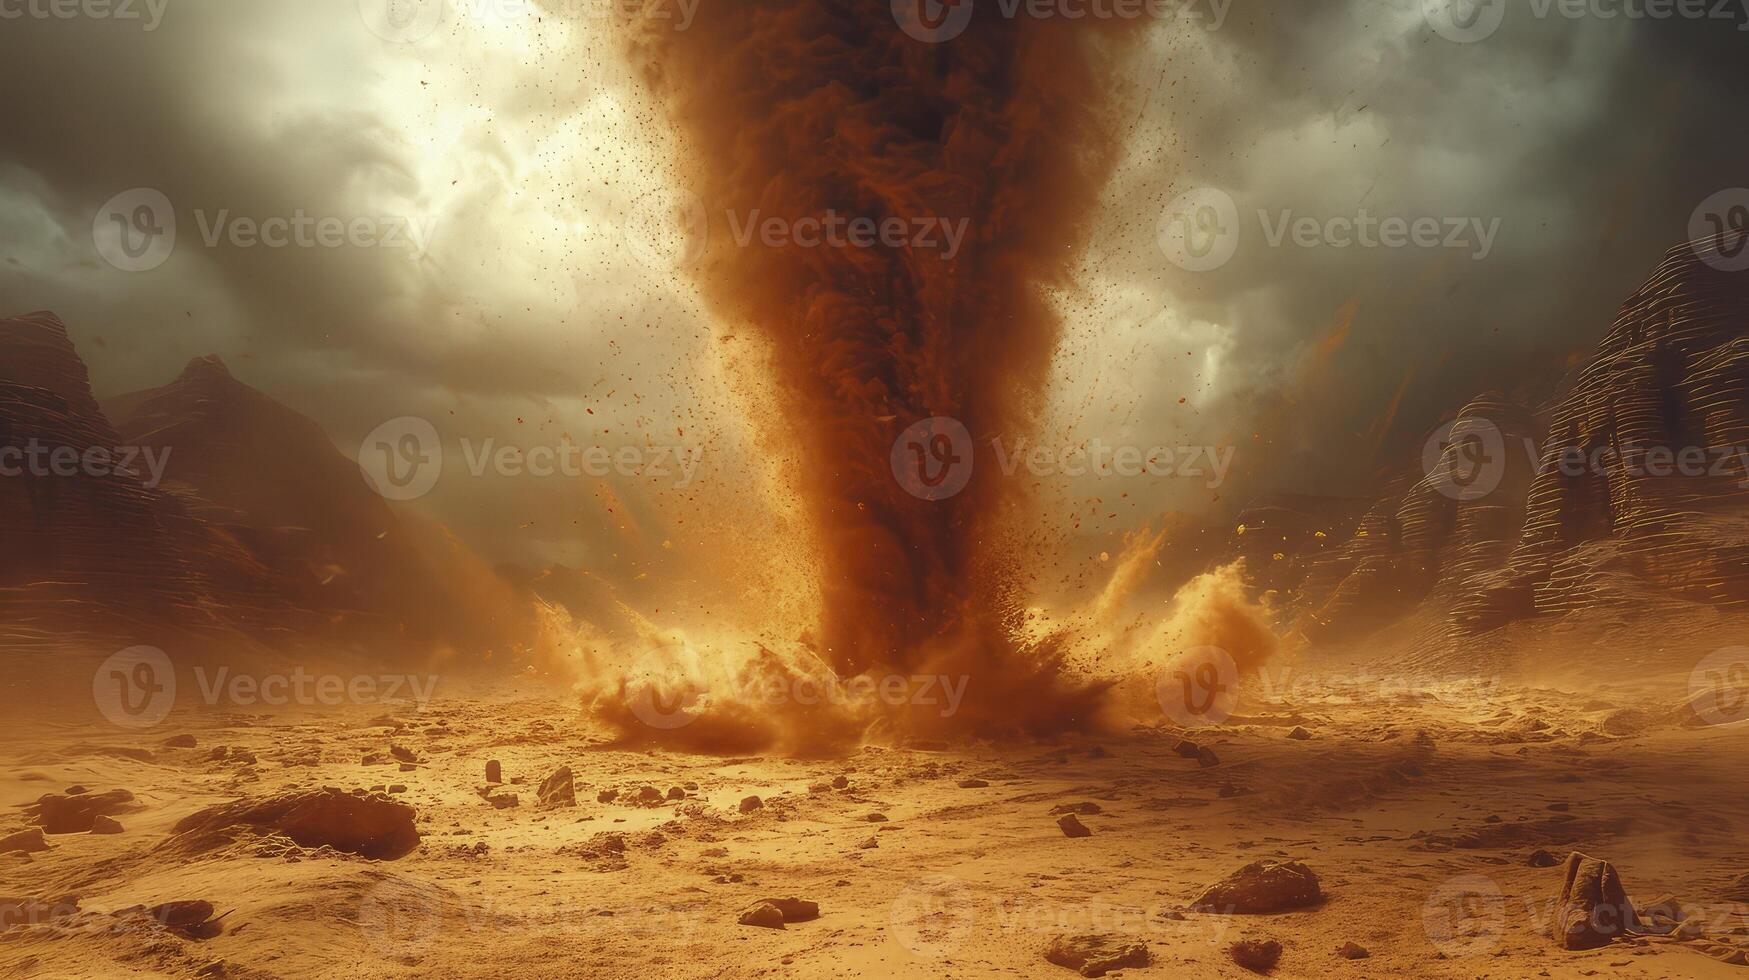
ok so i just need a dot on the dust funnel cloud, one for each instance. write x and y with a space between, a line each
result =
978 157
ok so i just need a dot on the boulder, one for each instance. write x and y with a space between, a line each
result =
1094 956
1593 908
74 813
24 842
763 915
371 826
558 789
101 824
1072 826
1262 887
1256 955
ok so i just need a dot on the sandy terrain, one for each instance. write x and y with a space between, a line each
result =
1416 811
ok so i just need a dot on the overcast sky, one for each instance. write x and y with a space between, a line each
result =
513 142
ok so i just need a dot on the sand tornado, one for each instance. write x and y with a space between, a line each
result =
806 120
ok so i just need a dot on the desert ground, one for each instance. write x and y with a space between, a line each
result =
1417 806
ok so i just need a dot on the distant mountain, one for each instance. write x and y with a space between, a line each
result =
260 532
1514 512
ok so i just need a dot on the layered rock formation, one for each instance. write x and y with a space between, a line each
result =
1628 488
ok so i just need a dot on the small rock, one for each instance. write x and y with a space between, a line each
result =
1206 758
1353 951
494 771
1258 956
1261 888
840 782
676 793
558 789
764 915
1085 809
876 818
972 784
180 742
403 754
1540 858
607 796
869 845
751 803
1187 748
105 825
1073 827
504 801
795 909
1299 734
649 794
24 842
397 789
1094 956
